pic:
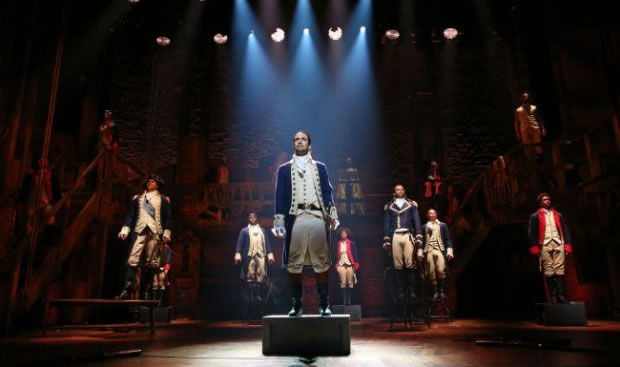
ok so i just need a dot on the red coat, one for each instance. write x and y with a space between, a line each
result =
350 251
537 230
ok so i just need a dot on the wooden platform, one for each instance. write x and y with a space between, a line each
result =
62 302
561 314
354 311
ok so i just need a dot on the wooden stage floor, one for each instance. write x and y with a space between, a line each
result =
191 343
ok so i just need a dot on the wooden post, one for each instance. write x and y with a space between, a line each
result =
558 167
593 162
616 124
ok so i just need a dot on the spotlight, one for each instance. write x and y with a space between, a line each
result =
278 35
335 34
363 29
251 33
306 30
163 41
220 39
450 33
134 1
392 34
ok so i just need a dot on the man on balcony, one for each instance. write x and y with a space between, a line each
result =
529 127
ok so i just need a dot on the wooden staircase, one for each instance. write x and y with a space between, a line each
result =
27 270
581 175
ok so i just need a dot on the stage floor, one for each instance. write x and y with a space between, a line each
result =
190 343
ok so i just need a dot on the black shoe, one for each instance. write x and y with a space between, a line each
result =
296 309
436 293
124 293
323 299
324 310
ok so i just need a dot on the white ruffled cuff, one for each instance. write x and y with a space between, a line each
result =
124 231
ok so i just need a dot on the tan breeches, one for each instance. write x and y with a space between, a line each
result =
552 256
148 242
256 269
345 272
402 250
435 265
308 245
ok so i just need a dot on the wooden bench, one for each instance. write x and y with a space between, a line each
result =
98 302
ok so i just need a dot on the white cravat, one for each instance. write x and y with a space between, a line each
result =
301 162
399 202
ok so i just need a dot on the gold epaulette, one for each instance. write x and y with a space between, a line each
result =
413 203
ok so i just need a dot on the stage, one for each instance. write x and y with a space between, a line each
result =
190 343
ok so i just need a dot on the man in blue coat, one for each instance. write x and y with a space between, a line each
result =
253 248
304 209
438 249
402 231
150 223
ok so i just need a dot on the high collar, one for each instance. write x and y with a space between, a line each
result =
400 202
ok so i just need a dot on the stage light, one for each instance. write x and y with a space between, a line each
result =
163 41
134 1
392 34
363 29
278 35
306 30
335 34
220 39
450 33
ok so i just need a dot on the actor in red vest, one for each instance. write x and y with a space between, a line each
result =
550 239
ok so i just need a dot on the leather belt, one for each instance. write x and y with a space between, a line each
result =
308 207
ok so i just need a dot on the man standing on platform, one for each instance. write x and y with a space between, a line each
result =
253 248
550 240
438 250
150 220
304 211
403 234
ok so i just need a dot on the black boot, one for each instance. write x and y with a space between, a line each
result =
349 296
345 293
156 295
296 283
551 284
410 284
441 284
149 273
324 299
130 276
436 294
399 286
561 290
